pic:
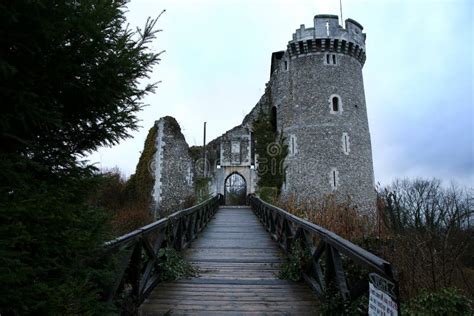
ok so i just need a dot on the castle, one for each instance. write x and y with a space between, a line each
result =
315 97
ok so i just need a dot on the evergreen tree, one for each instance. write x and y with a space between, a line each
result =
69 73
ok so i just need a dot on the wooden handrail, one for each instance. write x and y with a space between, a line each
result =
287 229
136 253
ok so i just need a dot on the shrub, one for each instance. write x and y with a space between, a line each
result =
332 304
173 266
271 152
341 217
447 301
201 188
293 268
421 227
128 219
268 194
430 235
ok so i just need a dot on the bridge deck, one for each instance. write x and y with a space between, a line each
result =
239 265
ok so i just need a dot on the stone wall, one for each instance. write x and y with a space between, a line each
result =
316 90
173 168
330 151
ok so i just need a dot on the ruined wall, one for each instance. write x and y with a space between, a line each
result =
316 92
173 169
329 151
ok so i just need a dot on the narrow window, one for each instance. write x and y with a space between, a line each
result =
345 143
327 59
334 178
334 59
286 65
335 104
292 145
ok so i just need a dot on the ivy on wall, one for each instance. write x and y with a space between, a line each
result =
271 152
140 185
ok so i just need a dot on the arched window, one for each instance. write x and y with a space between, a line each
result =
335 104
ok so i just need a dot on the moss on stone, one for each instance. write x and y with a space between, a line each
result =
272 151
195 152
140 185
201 188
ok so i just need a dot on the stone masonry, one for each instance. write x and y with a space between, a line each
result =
316 97
173 168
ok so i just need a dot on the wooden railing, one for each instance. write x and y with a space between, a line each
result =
136 263
329 254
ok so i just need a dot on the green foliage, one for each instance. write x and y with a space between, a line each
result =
140 185
333 304
69 73
447 301
109 193
196 152
173 266
46 247
69 80
201 188
268 194
271 150
296 263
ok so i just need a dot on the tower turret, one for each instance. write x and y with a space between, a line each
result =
317 92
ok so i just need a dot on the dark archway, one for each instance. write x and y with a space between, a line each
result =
235 189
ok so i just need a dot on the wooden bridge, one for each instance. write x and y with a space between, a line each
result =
239 255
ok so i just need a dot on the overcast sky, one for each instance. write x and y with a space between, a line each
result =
418 75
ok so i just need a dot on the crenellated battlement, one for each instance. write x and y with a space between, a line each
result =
328 36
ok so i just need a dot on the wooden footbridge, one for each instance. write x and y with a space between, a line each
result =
238 252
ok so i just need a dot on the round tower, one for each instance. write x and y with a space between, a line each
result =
317 95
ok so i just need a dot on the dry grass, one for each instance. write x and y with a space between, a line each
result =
340 217
425 259
129 219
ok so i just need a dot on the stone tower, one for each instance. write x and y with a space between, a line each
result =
317 99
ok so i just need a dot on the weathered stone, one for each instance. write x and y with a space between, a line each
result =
172 167
316 91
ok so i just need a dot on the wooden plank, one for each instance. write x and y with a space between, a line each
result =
217 313
239 265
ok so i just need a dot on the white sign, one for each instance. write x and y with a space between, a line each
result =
380 302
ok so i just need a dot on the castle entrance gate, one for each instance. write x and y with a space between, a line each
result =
235 190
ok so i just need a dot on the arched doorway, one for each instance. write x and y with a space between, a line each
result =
235 189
